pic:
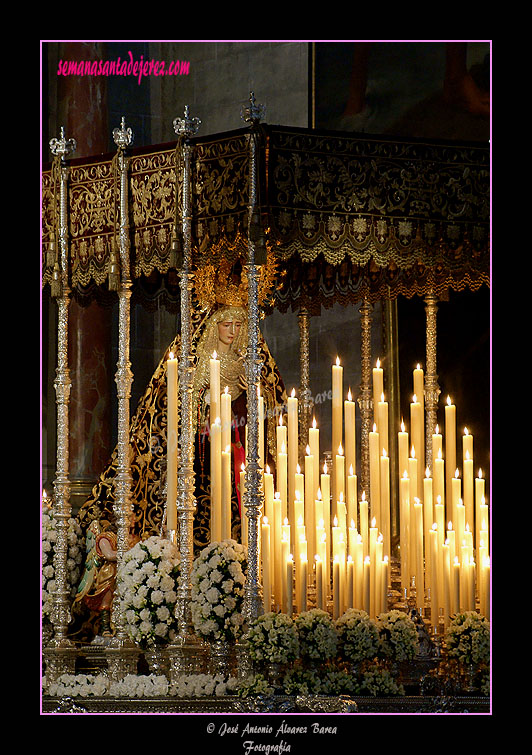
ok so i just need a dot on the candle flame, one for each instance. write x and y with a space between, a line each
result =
267 469
265 520
217 421
402 426
448 401
384 454
214 355
286 522
418 366
352 525
298 469
293 393
382 398
277 496
373 522
317 559
351 470
450 526
434 527
413 453
319 494
228 449
385 560
308 450
457 474
337 361
321 525
414 399
440 454
466 431
300 521
363 495
280 420
467 455
380 539
314 424
340 450
335 522
349 395
243 467
374 427
378 363
467 527
367 560
456 561
437 430
405 475
283 447
349 559
480 474
341 497
171 355
324 467
226 389
298 495
438 500
427 473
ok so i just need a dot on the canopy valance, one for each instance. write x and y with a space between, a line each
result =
348 216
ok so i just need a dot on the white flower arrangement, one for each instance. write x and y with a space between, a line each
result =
217 590
467 638
136 686
273 638
358 636
200 685
147 591
398 639
77 685
75 553
317 635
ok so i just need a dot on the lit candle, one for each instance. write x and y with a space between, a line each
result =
341 515
484 533
378 387
373 534
428 503
439 480
282 478
225 416
450 449
457 600
378 576
349 583
310 500
404 507
336 588
437 444
420 575
479 499
303 577
385 500
293 430
364 523
384 584
322 555
374 474
402 450
416 424
351 495
337 419
325 487
382 422
456 495
171 445
226 494
268 493
289 592
214 387
320 602
413 477
350 433
266 565
367 585
434 597
469 496
277 551
485 578
314 445
216 480
419 387
340 477
446 583
358 558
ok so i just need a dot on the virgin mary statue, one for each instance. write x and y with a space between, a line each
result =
219 324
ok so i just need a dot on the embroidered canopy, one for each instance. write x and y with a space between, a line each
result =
348 215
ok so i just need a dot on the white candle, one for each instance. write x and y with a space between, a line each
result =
171 444
434 596
373 534
428 504
243 512
336 588
214 387
282 479
303 579
266 565
293 431
358 558
351 496
404 507
364 523
385 501
382 423
350 433
469 496
260 400
216 480
485 579
479 499
337 418
402 450
416 424
325 487
446 583
277 552
289 592
349 583
437 444
225 416
226 494
367 585
374 475
314 445
310 500
339 477
450 449
320 602
378 387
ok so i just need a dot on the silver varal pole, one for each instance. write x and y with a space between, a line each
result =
254 493
60 653
122 654
185 652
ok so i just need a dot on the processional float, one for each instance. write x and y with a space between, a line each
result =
387 240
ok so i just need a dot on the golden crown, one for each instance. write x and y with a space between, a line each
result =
227 283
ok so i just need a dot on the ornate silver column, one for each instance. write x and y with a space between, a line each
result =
432 389
60 653
365 399
185 651
305 404
254 493
122 654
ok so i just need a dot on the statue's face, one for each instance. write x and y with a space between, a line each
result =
228 330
